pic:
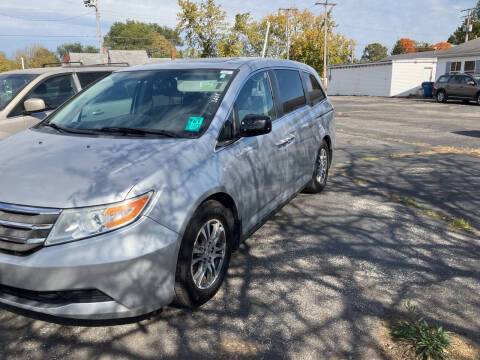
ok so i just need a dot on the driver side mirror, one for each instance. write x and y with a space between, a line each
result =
255 125
34 105
471 82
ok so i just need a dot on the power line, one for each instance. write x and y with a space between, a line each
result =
44 20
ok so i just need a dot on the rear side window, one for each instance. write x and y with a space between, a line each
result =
456 79
443 79
314 89
86 78
290 86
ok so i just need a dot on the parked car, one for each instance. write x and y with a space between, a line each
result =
27 96
136 191
459 87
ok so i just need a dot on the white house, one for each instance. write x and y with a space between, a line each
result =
402 75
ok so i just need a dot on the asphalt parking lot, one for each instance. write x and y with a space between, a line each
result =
318 279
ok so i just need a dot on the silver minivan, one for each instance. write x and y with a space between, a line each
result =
28 96
136 192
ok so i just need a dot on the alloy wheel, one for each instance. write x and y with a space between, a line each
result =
322 166
208 254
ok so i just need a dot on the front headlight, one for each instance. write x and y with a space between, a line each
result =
76 224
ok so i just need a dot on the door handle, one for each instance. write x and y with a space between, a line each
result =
285 142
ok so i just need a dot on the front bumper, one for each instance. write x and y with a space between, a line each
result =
134 266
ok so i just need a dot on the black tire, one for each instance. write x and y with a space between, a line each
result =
187 293
441 96
478 99
318 183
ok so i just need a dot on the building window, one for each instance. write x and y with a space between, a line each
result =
456 66
469 67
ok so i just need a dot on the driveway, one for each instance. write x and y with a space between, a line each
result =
318 279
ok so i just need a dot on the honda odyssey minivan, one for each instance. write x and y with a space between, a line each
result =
135 192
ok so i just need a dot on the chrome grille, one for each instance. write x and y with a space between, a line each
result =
24 228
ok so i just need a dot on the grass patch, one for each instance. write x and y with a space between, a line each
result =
370 158
406 201
429 342
461 224
457 224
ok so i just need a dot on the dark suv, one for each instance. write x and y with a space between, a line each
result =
459 86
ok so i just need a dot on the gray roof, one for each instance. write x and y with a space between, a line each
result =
466 49
132 57
412 56
88 58
220 63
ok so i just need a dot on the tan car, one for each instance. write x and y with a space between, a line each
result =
28 96
463 87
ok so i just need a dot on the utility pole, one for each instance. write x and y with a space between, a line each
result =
468 17
266 40
94 4
325 51
287 30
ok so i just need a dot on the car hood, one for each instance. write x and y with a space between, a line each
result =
55 170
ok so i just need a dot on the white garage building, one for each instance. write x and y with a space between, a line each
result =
402 75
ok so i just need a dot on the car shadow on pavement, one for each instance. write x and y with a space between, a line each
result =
314 282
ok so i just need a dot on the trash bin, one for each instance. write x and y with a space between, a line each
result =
427 89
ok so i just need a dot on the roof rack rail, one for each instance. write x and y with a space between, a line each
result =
61 63
111 64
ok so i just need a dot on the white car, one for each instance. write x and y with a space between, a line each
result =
28 96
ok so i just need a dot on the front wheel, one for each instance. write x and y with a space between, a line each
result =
320 174
478 98
204 255
441 97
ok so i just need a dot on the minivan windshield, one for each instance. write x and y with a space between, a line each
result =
11 85
177 103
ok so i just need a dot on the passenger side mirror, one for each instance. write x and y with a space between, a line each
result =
34 105
255 125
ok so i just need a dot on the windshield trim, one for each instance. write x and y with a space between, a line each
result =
193 136
34 76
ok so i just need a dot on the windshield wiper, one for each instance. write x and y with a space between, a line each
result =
71 131
137 131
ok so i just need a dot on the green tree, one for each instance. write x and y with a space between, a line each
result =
374 52
203 24
75 47
307 39
459 36
35 56
244 38
7 64
136 35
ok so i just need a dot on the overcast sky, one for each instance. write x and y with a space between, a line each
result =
366 21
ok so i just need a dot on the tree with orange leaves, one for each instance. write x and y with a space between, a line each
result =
404 46
441 46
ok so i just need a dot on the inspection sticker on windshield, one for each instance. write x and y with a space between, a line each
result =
194 123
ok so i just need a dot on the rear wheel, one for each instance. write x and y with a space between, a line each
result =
204 255
441 97
320 174
478 98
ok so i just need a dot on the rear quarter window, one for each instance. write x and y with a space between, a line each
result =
290 86
314 89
